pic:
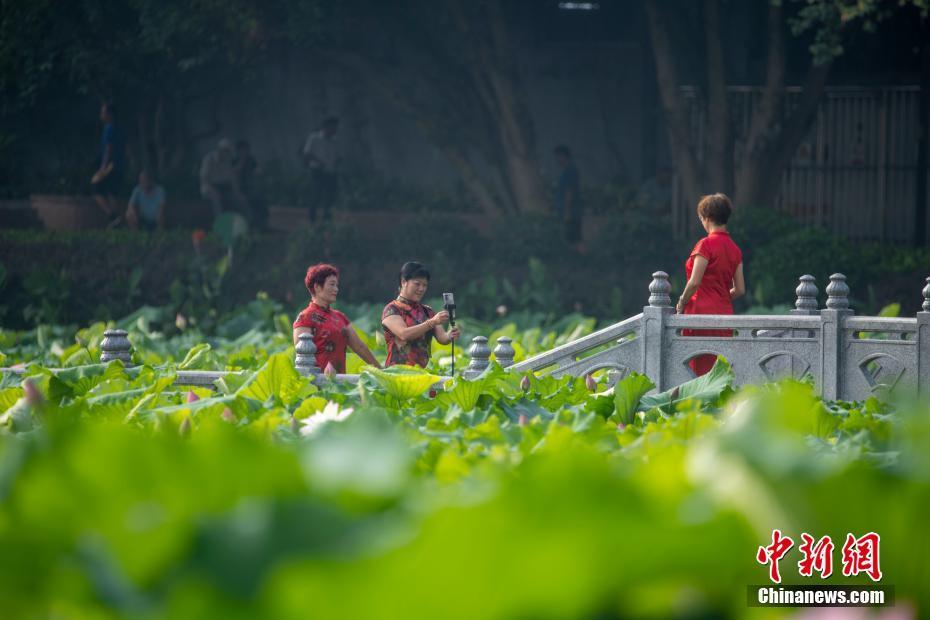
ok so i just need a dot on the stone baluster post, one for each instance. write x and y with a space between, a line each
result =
833 352
116 346
923 343
806 292
653 329
305 356
479 357
504 352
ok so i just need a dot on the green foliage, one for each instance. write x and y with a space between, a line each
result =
122 494
831 19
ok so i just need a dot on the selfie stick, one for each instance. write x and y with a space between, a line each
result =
448 304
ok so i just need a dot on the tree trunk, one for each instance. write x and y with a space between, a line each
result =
673 106
762 173
718 150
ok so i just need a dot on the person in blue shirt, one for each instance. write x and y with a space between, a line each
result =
568 195
107 182
146 205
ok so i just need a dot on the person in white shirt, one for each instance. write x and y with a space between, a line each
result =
218 182
321 156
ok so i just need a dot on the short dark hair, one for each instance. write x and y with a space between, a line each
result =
715 207
563 150
317 274
412 270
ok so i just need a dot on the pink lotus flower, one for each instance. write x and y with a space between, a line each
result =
33 396
590 383
330 370
525 383
228 416
191 397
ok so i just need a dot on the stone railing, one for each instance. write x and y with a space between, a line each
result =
848 357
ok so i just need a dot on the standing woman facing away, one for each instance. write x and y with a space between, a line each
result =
331 329
715 274
410 326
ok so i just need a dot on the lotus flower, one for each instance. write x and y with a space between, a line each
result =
33 395
522 419
180 321
228 416
590 383
331 413
191 397
330 370
525 383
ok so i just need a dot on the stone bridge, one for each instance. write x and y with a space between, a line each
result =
848 357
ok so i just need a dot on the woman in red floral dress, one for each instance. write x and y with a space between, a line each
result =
331 329
410 326
715 274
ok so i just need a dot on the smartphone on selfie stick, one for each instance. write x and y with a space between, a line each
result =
448 304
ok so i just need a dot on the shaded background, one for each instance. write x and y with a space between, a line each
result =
811 115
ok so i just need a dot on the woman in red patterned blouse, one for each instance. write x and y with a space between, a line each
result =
330 328
410 326
715 274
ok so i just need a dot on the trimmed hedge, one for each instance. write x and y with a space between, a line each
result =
79 277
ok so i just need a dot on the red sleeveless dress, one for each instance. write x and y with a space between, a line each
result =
713 295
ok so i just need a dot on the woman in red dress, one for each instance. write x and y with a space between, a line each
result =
330 328
410 325
715 274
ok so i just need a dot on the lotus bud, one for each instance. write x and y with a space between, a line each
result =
184 430
180 321
525 383
191 397
590 383
228 416
621 426
330 370
33 395
522 419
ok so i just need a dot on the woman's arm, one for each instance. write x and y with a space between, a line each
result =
445 337
361 349
397 326
697 274
739 285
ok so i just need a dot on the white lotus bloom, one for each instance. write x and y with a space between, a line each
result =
331 413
